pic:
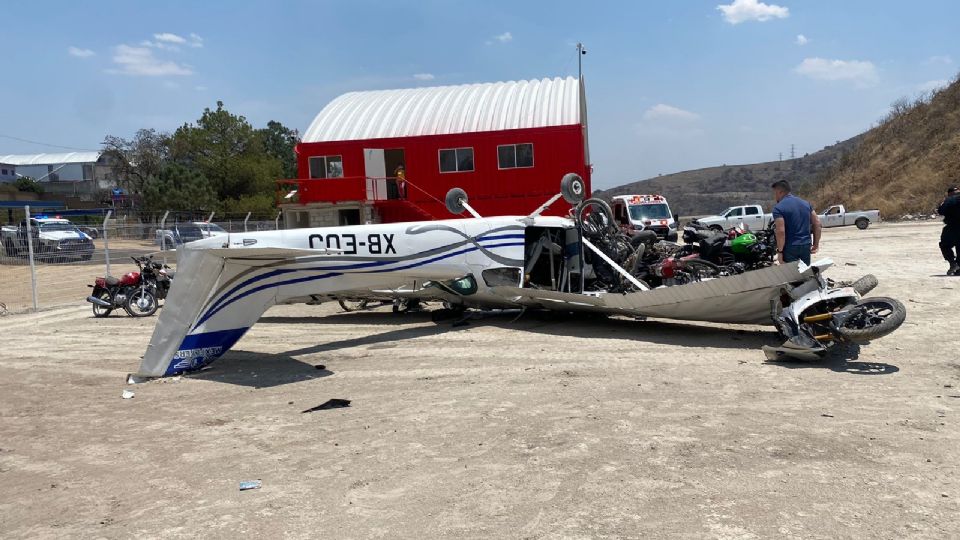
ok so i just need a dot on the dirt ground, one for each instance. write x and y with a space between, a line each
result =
543 427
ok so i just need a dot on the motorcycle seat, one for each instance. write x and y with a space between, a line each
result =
111 281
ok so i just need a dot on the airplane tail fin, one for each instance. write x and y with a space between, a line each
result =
194 329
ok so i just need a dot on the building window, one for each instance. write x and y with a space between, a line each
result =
3 172
326 167
515 156
456 160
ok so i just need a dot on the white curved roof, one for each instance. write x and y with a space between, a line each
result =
24 160
442 110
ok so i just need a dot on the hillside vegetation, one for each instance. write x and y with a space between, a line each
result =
904 165
710 190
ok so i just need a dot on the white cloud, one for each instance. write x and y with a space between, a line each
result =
802 40
931 86
662 111
141 61
504 37
752 10
167 37
80 53
940 59
861 72
424 76
169 41
159 45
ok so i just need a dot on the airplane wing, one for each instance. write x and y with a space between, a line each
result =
745 298
219 292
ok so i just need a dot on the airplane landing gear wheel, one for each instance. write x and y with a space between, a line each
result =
572 188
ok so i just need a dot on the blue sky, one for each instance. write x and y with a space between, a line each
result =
671 85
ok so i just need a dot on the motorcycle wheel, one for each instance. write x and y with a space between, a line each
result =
141 303
877 317
352 305
701 269
100 311
865 284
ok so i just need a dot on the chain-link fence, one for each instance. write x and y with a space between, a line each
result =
49 260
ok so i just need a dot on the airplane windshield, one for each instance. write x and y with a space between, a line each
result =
641 212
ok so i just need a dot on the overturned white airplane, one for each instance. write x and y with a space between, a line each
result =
225 284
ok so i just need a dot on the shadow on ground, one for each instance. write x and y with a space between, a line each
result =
587 326
843 359
260 370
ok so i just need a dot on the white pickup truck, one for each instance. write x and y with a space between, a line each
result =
750 215
838 216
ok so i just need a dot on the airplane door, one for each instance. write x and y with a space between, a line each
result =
375 169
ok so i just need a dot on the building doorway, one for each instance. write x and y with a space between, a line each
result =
350 216
393 158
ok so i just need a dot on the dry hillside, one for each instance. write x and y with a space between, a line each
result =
710 190
904 165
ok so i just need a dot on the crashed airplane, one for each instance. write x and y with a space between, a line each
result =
225 284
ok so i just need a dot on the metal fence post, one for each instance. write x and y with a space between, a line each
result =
245 220
210 219
106 242
276 222
163 236
33 268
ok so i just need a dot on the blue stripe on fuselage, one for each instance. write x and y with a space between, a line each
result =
219 304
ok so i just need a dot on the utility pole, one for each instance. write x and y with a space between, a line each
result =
580 53
781 157
792 154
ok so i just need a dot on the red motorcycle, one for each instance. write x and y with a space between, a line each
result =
135 292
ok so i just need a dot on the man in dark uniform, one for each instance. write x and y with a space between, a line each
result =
950 236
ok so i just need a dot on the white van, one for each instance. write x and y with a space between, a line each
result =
645 212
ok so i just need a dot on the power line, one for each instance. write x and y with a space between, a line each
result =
45 144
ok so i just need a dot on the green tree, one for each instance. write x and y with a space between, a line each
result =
134 161
178 188
226 150
279 142
27 183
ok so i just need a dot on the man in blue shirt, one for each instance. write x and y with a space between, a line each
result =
794 222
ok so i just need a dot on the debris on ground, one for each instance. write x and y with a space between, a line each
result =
320 366
127 394
329 404
250 484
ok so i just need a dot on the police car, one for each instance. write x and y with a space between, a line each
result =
53 238
645 212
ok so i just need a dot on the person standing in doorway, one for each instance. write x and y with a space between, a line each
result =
794 224
950 236
401 175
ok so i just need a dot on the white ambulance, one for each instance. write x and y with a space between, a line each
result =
645 212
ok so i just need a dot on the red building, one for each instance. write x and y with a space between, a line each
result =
507 144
